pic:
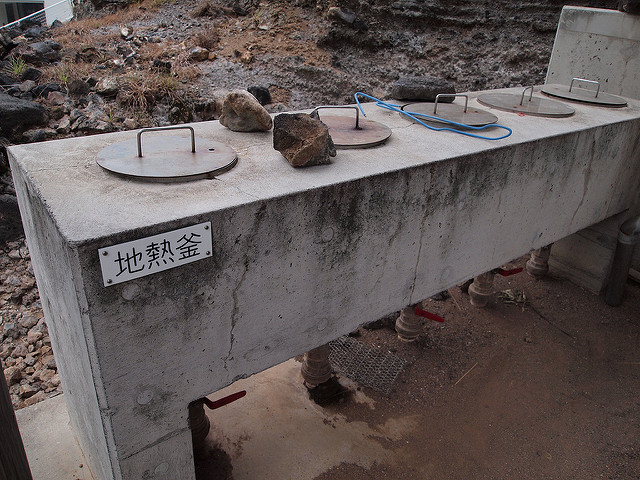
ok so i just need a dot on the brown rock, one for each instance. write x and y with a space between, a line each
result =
45 375
34 335
27 391
38 397
19 351
12 375
49 362
302 140
28 320
241 112
198 54
56 98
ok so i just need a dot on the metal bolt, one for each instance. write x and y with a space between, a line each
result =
109 281
206 227
105 253
208 253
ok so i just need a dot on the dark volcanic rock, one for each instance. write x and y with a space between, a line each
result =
31 74
7 79
38 53
16 112
421 88
10 223
302 140
262 94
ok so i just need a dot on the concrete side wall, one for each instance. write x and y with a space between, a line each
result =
294 272
600 45
55 265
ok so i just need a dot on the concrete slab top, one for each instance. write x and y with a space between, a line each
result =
88 203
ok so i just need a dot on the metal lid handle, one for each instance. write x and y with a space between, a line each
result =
466 100
593 82
315 110
159 129
525 91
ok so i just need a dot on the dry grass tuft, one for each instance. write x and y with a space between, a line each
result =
207 38
66 72
139 92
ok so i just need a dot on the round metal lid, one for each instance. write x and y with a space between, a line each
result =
584 95
537 106
345 134
473 117
349 132
167 158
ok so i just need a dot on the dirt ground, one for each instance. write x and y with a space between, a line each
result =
549 390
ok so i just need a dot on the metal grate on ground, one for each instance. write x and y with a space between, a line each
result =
365 365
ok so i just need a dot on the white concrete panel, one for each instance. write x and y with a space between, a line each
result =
597 44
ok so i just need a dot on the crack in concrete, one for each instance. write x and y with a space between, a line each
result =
415 273
234 294
585 185
235 187
234 312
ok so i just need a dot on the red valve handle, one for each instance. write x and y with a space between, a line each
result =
213 404
507 273
424 314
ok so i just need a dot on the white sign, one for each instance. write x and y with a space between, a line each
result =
150 255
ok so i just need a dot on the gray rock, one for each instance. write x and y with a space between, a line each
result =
9 329
108 86
421 88
126 31
302 140
130 123
346 16
241 112
27 85
17 112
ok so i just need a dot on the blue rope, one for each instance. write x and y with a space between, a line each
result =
414 115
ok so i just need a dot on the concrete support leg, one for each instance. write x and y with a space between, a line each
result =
316 368
538 265
481 290
408 324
